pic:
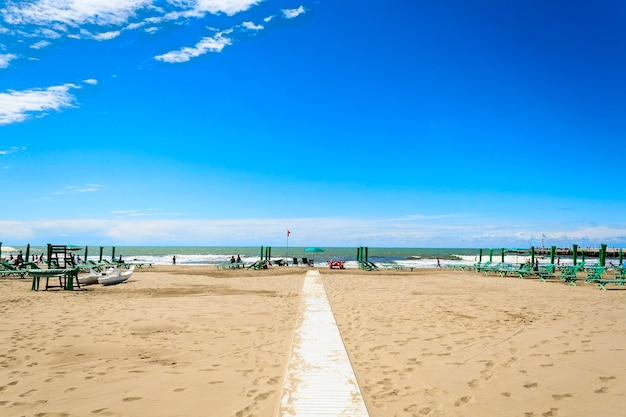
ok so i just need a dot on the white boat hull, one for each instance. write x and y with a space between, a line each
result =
115 277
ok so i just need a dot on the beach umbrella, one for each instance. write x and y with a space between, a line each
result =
9 249
315 250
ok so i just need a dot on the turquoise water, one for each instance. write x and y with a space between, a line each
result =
211 255
161 255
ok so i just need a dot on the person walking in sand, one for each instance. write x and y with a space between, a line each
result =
438 263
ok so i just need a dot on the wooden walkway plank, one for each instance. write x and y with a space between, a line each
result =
319 381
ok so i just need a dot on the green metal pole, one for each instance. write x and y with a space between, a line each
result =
113 253
502 255
366 253
358 254
583 255
603 255
27 257
480 255
101 249
552 250
261 253
532 255
621 256
49 254
574 253
490 255
85 258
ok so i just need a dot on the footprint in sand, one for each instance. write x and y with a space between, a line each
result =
129 399
601 390
180 389
607 378
462 401
558 397
27 393
531 385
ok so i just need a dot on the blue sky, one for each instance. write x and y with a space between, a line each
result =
228 122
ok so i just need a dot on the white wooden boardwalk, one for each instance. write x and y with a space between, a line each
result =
319 381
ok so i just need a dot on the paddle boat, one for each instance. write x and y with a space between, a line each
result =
115 276
335 264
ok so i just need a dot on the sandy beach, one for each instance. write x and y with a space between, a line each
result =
195 341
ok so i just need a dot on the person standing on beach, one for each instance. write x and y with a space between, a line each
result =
438 263
174 260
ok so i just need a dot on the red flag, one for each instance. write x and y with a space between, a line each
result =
288 233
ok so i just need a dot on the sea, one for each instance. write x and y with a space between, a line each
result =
213 255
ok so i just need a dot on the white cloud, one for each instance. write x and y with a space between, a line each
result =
292 13
73 12
5 59
91 81
12 149
40 45
17 106
209 44
141 227
228 7
251 26
105 36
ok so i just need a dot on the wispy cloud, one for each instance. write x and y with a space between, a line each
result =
5 59
252 26
293 13
17 106
217 42
31 25
12 149
72 13
87 188
209 44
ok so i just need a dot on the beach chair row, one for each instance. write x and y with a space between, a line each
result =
568 274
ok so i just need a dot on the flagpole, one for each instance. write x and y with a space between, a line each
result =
287 248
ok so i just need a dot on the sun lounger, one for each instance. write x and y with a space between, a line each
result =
570 274
602 282
480 266
368 266
11 271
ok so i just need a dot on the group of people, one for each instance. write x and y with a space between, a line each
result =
18 260
233 260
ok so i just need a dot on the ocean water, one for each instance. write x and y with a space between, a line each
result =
212 255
